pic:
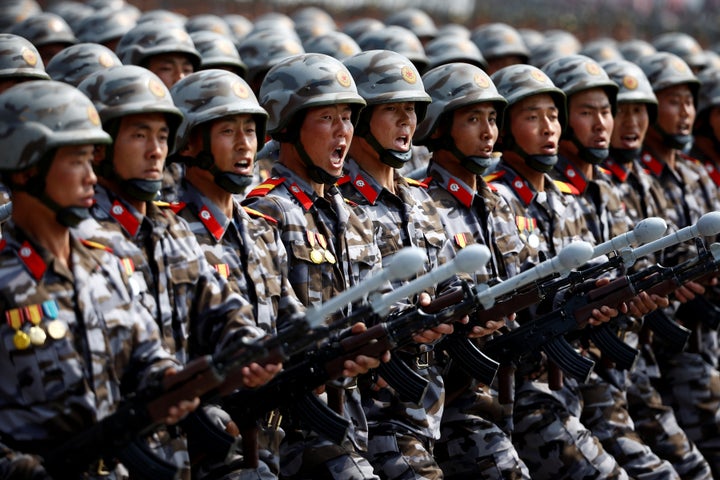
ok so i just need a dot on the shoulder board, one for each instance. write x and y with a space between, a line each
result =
605 170
96 245
566 187
3 244
174 206
263 189
418 183
688 158
350 202
491 177
254 213
343 180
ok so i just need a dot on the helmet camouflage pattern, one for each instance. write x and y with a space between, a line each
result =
451 49
397 39
74 63
415 20
499 40
217 51
128 90
73 12
147 39
162 16
39 116
336 44
20 59
633 85
303 81
265 48
15 11
357 28
684 46
709 94
453 86
635 49
207 22
45 28
105 25
311 22
664 70
212 94
577 73
517 82
239 25
383 76
551 49
602 50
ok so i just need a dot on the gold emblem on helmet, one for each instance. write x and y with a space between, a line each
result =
343 78
539 76
592 68
29 57
225 47
105 60
408 74
679 65
240 90
630 82
93 115
481 81
346 48
156 88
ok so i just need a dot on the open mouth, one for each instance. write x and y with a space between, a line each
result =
549 148
338 154
630 139
401 143
243 166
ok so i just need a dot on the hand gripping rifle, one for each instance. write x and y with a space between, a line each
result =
293 387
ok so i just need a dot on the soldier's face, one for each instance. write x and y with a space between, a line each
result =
233 143
474 129
170 67
141 146
676 110
71 177
535 125
590 116
393 125
326 134
631 124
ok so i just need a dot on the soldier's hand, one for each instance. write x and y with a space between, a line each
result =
178 412
644 303
24 467
688 291
362 363
433 334
255 374
490 327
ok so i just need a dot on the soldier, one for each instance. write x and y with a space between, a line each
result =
19 61
691 385
584 145
223 126
501 45
66 301
76 62
402 434
313 104
48 32
548 433
460 128
193 305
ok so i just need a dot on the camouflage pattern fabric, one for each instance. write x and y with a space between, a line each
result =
48 392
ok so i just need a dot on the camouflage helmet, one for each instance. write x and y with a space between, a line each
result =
261 50
39 116
104 26
397 39
218 51
357 28
452 86
449 49
76 62
499 40
207 22
709 93
415 20
531 37
20 59
15 11
311 22
384 76
634 87
601 50
162 17
336 44
453 30
303 81
664 70
45 28
72 12
684 46
212 94
549 50
145 40
577 73
239 25
635 49
128 90
275 21
517 82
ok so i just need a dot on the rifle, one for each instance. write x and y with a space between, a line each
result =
547 333
294 386
119 435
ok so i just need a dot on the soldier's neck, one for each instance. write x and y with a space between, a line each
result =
532 176
205 183
655 145
369 160
448 161
570 152
40 224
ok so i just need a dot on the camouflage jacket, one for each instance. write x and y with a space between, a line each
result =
643 198
246 250
406 219
598 199
196 308
72 335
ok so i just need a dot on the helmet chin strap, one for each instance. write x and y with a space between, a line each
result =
625 155
539 163
678 142
316 174
593 156
392 158
473 163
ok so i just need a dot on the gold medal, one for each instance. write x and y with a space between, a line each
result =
533 240
316 256
37 336
56 329
21 340
329 256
